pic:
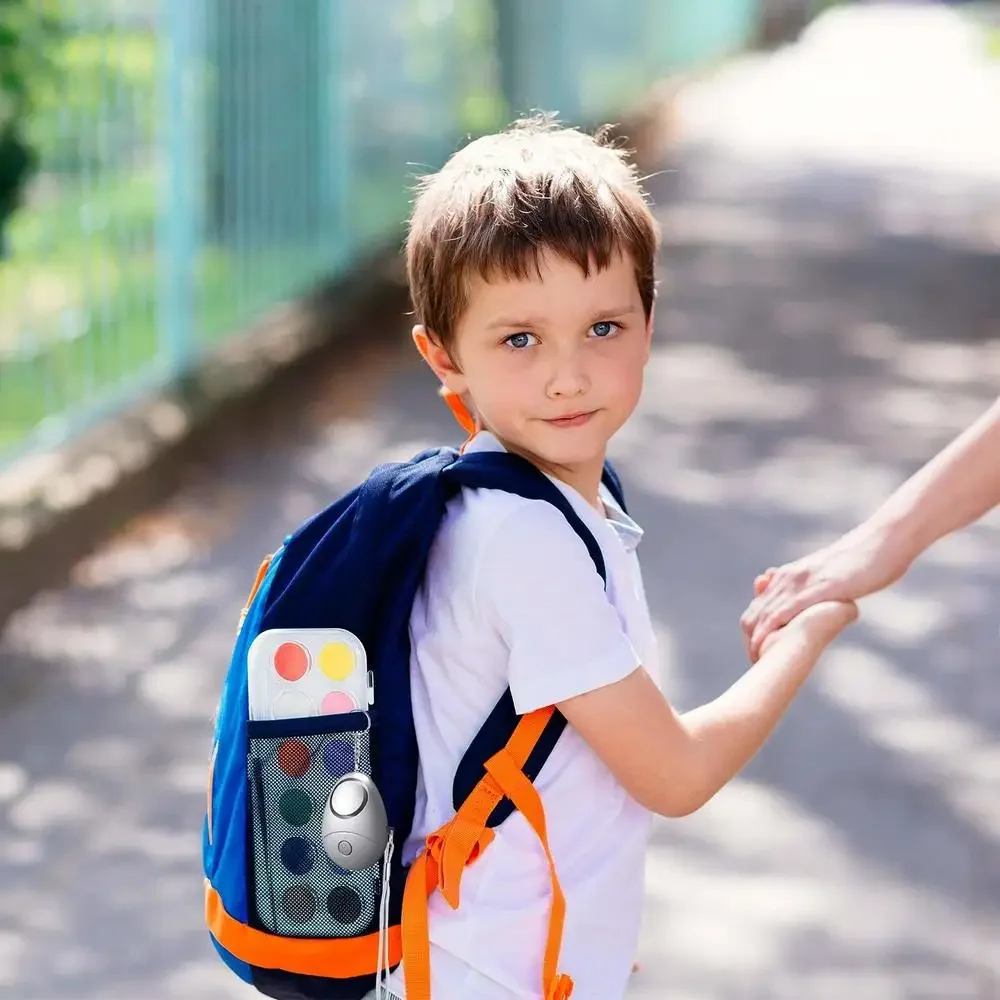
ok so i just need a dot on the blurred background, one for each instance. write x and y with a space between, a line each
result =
170 169
186 184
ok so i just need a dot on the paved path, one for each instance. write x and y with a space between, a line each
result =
830 317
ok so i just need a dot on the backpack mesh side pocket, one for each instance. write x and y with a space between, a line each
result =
298 890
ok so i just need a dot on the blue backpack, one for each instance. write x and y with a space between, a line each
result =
281 914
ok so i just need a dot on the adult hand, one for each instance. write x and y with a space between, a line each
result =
859 563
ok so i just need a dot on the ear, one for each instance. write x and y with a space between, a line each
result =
438 359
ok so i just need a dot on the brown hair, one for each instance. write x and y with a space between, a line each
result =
503 199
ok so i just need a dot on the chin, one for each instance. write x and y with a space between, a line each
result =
569 453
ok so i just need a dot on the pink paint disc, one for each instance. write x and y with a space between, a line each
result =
338 702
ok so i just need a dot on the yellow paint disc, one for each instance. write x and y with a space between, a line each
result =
336 660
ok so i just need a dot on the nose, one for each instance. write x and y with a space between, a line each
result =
568 376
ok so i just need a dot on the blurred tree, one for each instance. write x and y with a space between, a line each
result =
27 29
18 162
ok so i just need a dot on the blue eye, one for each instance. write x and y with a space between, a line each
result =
604 328
519 341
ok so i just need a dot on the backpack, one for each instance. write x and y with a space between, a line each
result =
357 565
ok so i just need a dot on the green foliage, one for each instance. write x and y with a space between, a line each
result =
100 102
27 31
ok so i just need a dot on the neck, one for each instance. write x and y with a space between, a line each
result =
584 477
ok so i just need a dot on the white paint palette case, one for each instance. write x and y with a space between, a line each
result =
297 673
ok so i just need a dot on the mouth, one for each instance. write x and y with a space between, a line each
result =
572 419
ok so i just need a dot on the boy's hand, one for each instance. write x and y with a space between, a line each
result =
815 627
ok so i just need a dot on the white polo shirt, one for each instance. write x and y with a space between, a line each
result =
512 597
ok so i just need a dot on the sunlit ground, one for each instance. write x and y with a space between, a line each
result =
828 320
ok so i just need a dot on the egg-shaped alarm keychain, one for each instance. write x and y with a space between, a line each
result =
355 829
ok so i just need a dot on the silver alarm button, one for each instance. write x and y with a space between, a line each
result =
355 828
349 798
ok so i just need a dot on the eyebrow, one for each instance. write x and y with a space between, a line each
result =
526 322
507 321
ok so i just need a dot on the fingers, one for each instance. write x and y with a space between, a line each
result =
760 585
748 620
763 581
779 597
778 613
771 620
780 594
751 616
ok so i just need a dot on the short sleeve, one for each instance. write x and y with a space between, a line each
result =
537 583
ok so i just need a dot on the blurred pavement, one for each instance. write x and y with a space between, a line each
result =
830 316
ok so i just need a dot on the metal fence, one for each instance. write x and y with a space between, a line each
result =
201 160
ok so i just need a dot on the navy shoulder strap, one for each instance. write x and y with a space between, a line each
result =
614 485
501 470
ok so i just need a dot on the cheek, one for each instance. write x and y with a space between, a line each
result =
487 379
506 382
621 371
503 389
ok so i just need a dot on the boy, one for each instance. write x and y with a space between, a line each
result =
531 265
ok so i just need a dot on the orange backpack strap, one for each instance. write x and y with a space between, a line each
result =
459 410
462 840
265 565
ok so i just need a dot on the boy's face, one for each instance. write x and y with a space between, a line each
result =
553 363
